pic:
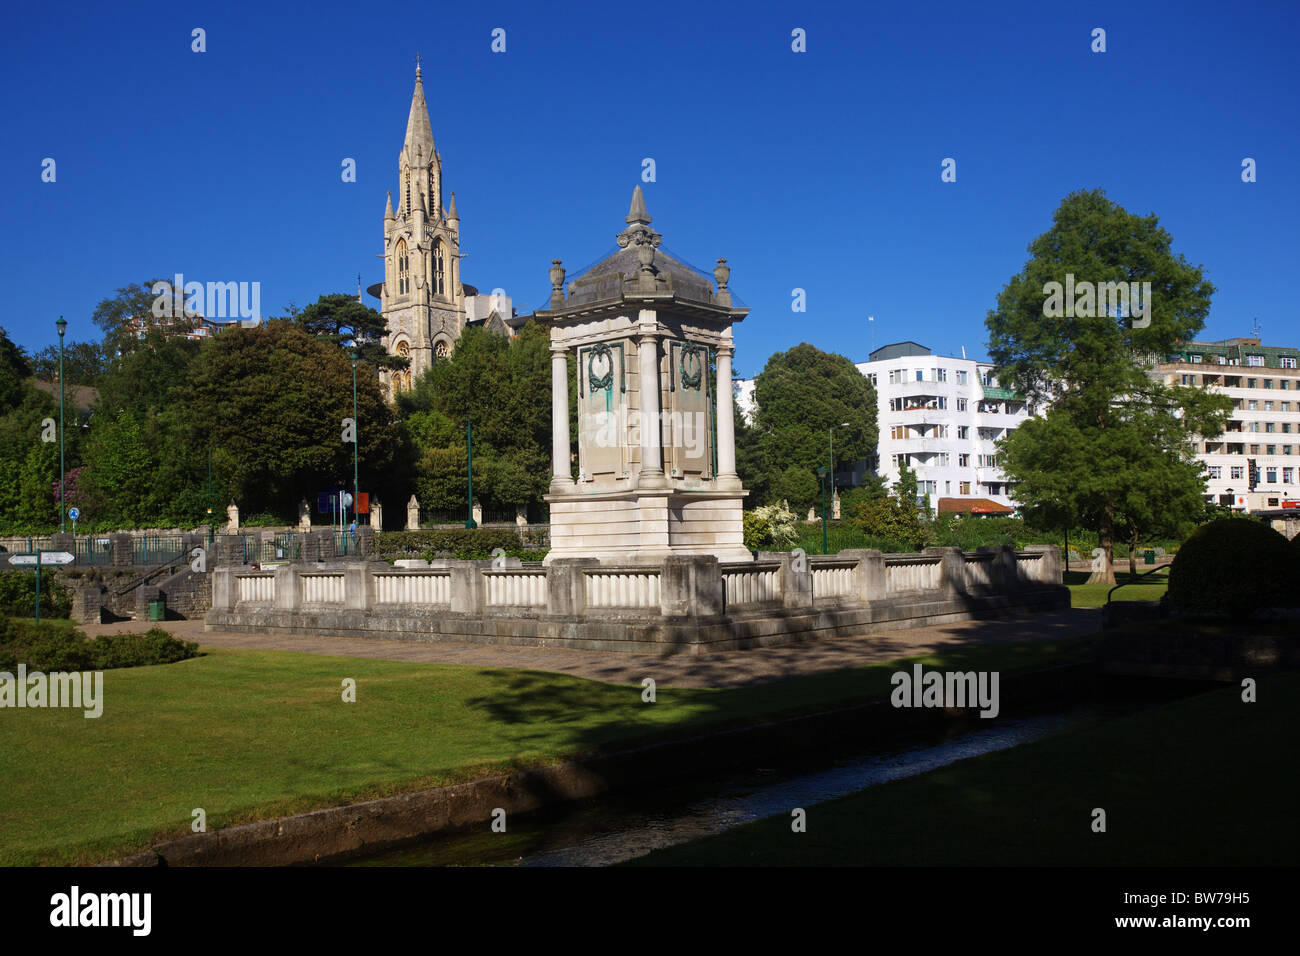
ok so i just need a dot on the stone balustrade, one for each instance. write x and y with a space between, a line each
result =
687 602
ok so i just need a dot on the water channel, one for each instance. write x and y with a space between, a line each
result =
626 824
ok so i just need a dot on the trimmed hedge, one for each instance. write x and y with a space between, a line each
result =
451 542
1234 566
52 648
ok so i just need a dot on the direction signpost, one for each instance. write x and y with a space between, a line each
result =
40 559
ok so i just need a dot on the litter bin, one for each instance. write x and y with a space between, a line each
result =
157 610
1149 556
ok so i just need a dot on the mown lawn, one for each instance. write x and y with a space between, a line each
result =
252 734
1094 595
1208 781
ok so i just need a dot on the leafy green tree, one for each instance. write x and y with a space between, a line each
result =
1086 458
796 486
116 316
802 395
119 467
14 371
269 403
341 319
83 363
499 384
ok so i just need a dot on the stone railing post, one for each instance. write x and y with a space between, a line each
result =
225 589
358 587
365 541
997 582
288 588
796 580
566 586
1049 565
123 546
1007 560
467 586
869 575
952 570
690 585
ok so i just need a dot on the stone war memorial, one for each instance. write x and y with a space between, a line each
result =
647 547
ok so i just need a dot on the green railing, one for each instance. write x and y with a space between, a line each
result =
93 550
158 548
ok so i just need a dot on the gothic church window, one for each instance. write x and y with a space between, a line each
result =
439 273
403 270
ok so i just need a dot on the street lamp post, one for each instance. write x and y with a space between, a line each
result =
831 433
469 444
63 503
356 443
821 474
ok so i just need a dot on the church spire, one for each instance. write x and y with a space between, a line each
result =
418 131
451 209
637 214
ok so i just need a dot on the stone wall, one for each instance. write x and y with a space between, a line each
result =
687 603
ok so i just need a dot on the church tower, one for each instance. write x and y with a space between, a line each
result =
422 297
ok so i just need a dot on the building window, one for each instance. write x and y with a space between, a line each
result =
963 488
1268 406
963 461
1257 360
1222 359
961 407
1270 476
440 350
439 269
1287 362
1268 383
1272 449
1286 449
963 377
1252 405
403 269
963 432
1286 428
943 401
871 377
1196 359
940 374
1268 427
920 375
1288 478
1235 472
1250 382
895 404
896 432
1285 383
1216 472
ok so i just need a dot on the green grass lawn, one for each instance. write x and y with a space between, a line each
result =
1208 781
1094 595
252 734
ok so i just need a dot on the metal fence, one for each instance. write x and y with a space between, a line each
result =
157 548
94 550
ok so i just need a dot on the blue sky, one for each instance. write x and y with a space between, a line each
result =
816 170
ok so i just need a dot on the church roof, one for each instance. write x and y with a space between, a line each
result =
418 130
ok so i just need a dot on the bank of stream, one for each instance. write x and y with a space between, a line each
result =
631 822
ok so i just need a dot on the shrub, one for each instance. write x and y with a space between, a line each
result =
18 594
1235 567
770 528
447 541
893 519
154 646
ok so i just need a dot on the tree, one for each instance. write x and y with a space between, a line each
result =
1112 433
117 316
14 371
341 319
269 402
83 363
501 384
801 396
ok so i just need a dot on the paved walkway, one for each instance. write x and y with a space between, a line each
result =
728 669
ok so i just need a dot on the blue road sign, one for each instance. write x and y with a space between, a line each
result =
74 513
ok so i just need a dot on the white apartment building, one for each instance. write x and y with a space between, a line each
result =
943 416
1264 428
